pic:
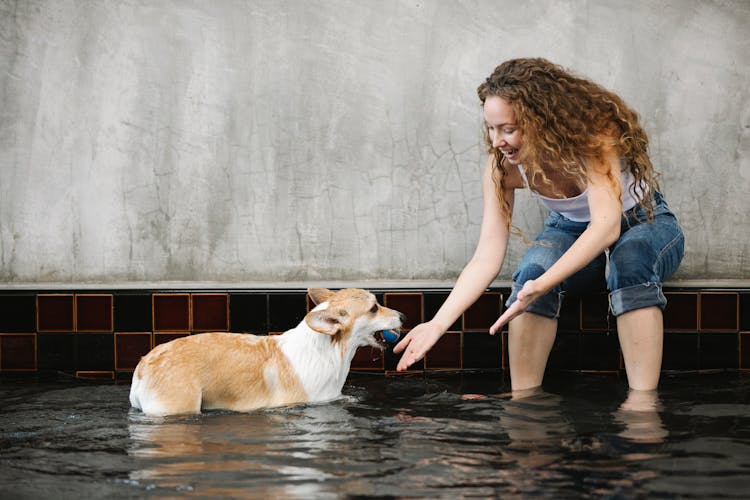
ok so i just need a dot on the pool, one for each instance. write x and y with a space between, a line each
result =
388 436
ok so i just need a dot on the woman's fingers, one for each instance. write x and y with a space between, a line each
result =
525 296
402 343
412 353
514 310
416 344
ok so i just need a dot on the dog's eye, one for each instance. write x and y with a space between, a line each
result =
374 309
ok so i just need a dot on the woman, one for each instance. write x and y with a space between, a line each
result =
579 149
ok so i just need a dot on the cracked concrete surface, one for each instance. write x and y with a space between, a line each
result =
331 140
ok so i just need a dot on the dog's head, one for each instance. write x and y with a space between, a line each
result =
351 315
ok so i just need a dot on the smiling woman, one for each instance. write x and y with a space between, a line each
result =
503 133
581 150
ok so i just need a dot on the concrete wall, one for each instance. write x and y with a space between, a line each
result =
322 140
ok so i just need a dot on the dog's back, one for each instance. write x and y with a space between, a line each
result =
214 370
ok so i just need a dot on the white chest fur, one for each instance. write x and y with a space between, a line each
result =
321 365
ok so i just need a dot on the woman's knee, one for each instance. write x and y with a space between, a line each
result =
546 250
643 256
631 263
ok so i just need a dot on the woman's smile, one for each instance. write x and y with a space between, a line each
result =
504 133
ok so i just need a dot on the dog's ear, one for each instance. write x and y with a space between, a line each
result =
326 321
319 295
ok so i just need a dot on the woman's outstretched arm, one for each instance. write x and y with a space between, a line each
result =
476 276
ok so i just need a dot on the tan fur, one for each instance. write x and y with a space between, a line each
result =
347 304
219 370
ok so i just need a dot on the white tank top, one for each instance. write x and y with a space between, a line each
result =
577 208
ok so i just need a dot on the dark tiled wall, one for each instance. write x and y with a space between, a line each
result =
104 334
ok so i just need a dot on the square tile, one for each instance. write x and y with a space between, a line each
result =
17 352
681 311
286 310
566 351
745 312
570 313
133 312
210 312
95 351
595 313
482 351
719 350
391 360
55 313
680 351
433 301
600 351
410 304
745 351
18 313
248 312
129 348
484 312
445 354
94 313
164 337
56 352
368 359
171 312
719 311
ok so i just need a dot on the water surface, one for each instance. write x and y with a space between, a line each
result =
415 437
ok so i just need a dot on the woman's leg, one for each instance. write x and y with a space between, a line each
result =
642 259
530 339
531 334
641 338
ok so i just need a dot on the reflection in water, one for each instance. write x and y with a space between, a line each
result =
639 414
432 442
276 448
535 425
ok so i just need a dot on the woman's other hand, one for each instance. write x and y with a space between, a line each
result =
530 291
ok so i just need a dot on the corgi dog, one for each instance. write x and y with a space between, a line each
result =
243 372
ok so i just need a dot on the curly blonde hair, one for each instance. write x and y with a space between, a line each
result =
565 118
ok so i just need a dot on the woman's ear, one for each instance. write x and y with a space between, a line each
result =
319 295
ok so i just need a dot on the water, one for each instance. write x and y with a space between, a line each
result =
412 437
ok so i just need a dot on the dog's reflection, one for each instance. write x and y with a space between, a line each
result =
271 451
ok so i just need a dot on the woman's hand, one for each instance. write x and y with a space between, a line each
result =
416 344
530 291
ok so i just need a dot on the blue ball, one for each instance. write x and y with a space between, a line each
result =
391 336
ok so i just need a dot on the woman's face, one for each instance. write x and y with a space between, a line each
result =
504 133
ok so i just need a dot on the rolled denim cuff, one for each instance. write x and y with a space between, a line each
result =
546 305
636 297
